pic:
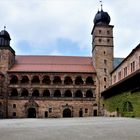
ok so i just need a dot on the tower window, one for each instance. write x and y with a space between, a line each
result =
104 52
108 32
105 62
108 40
105 70
100 40
105 79
100 31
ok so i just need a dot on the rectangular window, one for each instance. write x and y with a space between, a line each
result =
133 66
86 110
139 61
125 71
14 105
114 78
50 110
119 75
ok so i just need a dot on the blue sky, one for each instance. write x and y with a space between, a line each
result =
63 27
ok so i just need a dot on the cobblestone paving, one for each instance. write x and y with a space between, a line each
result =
70 129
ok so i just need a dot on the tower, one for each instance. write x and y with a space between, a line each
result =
7 54
7 59
102 48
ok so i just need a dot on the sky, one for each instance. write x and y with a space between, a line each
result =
63 27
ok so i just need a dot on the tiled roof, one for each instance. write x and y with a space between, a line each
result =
52 64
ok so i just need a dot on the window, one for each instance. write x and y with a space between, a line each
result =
139 61
105 79
100 31
105 61
104 87
24 93
114 78
57 93
57 80
100 40
50 110
35 93
46 80
46 93
67 93
89 80
108 32
35 80
89 94
133 66
78 80
86 110
78 94
105 70
125 71
108 40
119 75
68 81
14 105
25 80
14 80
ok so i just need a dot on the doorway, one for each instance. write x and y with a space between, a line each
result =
31 113
80 113
95 112
67 113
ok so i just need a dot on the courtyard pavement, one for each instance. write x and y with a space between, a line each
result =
90 128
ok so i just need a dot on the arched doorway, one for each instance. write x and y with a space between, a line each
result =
31 113
67 113
80 113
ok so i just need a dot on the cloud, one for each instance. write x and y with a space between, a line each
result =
36 27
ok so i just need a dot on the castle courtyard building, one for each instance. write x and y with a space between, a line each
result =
61 86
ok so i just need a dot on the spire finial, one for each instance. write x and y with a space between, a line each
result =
4 27
101 5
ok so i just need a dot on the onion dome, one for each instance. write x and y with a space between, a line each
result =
102 18
4 38
5 34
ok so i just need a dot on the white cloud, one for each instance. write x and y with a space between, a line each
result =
41 23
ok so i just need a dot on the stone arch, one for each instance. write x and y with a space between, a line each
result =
79 94
14 92
35 80
68 80
31 109
89 80
35 93
89 94
13 79
127 107
57 80
24 80
57 93
67 113
46 80
46 93
78 80
24 93
68 93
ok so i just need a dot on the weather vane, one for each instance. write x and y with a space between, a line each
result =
101 5
4 27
